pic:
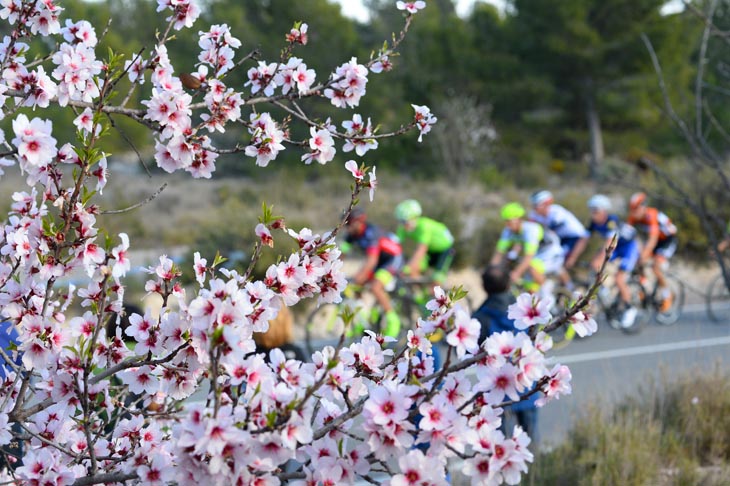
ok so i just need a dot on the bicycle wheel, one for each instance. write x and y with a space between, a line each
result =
671 314
718 301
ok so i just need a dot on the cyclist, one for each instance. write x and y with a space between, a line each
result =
724 244
568 228
661 241
607 225
384 258
540 250
435 244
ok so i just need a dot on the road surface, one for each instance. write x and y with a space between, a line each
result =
610 365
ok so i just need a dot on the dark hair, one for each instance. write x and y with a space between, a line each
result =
356 214
495 279
111 324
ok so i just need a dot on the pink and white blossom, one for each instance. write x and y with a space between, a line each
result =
411 7
529 310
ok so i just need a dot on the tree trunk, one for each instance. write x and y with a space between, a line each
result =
594 131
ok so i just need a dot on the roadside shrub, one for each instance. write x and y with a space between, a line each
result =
676 432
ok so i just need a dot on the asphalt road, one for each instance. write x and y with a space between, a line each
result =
611 365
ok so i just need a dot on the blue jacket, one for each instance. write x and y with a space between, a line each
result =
492 315
8 335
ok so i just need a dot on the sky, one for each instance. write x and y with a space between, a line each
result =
355 8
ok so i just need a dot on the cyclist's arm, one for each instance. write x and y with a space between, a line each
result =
653 235
648 248
503 246
363 275
414 264
578 250
601 254
724 244
497 258
522 267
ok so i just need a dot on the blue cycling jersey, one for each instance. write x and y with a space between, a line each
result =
614 226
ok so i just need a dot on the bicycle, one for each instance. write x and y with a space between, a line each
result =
653 302
717 301
328 320
609 304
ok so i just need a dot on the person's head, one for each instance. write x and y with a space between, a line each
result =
541 201
599 206
495 279
407 212
512 214
637 205
356 222
123 324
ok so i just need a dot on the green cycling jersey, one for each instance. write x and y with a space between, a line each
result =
529 236
434 234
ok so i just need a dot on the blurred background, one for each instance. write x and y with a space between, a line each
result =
575 96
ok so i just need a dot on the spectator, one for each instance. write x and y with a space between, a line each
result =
8 338
492 315
10 454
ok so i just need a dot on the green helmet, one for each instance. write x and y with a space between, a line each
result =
512 210
408 210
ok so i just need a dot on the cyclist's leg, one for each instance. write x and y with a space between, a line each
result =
536 274
629 255
436 265
663 252
567 248
382 281
440 264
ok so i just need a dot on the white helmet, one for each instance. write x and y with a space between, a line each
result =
540 197
599 201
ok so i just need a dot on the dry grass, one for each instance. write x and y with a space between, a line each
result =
672 433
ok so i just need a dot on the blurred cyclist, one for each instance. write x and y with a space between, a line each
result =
435 244
571 232
539 250
608 225
724 244
383 261
661 241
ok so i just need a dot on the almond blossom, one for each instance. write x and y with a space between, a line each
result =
180 395
583 324
528 311
424 120
322 145
411 7
360 132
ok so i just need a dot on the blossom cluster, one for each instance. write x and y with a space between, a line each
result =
181 396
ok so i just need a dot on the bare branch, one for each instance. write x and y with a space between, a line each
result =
139 204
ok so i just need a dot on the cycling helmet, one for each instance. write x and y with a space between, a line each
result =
512 210
408 210
541 197
637 199
599 201
355 215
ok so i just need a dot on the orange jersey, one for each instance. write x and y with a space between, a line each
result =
654 223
